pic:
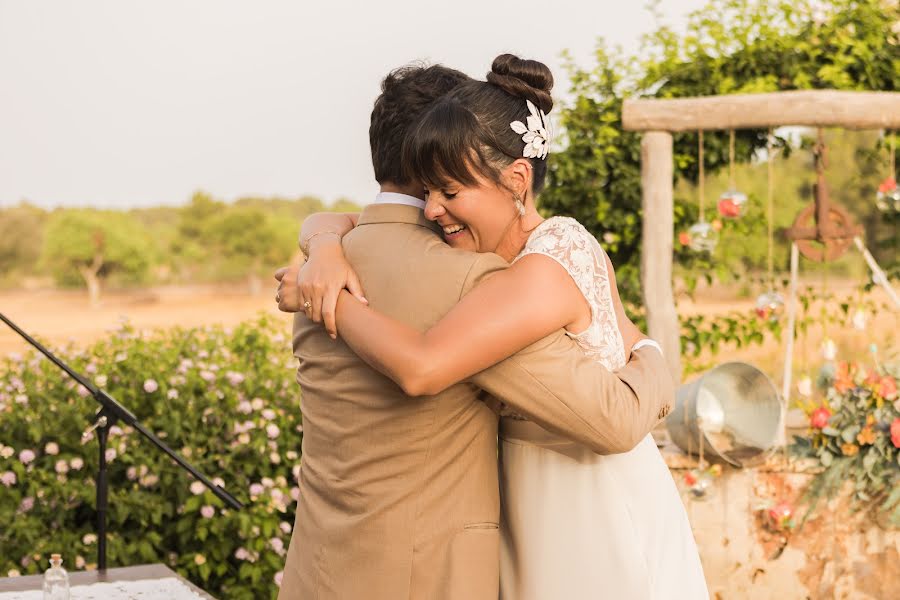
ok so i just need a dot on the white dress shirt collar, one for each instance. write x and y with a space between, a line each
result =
395 198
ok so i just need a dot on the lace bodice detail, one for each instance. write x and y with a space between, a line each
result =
566 241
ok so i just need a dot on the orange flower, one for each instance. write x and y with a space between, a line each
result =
843 379
866 436
849 449
684 238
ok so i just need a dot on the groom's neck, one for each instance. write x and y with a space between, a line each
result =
411 189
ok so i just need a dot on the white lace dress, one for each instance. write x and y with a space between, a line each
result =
577 525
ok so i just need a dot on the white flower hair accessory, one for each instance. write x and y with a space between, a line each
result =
536 134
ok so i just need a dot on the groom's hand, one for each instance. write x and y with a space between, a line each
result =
288 294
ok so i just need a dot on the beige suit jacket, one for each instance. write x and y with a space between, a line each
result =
399 495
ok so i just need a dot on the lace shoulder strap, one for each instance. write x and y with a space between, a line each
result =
566 241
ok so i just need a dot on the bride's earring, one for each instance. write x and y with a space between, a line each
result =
520 207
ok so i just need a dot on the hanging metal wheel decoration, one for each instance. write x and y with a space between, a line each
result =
824 231
828 248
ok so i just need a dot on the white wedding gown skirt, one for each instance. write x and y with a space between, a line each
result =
576 525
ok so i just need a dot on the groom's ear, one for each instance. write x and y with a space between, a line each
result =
518 176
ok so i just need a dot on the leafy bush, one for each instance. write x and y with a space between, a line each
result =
226 400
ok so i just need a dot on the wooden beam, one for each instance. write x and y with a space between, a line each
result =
656 246
812 108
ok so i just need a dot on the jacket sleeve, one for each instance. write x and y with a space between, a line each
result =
555 385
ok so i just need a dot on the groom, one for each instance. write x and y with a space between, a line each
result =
399 495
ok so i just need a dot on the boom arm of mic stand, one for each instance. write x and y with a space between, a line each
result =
117 411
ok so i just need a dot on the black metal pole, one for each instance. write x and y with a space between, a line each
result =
102 493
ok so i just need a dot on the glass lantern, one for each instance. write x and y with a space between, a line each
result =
770 305
732 204
703 237
888 197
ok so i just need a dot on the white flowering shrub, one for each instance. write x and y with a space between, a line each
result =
225 399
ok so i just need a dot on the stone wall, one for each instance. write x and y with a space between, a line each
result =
835 555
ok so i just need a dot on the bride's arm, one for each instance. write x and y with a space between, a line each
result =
509 311
322 227
326 271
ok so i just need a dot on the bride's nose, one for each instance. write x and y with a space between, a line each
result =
433 208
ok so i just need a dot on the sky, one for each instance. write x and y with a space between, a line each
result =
126 103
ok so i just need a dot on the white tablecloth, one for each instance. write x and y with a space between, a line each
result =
148 589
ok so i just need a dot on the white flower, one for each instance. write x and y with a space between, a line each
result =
272 430
76 463
111 454
197 488
279 577
285 527
150 386
257 403
26 456
8 478
7 451
51 448
804 386
100 380
199 559
207 511
172 394
13 573
62 467
536 134
88 539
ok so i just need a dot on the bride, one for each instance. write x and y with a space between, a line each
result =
574 524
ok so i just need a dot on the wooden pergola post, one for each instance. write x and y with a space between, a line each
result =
657 240
657 118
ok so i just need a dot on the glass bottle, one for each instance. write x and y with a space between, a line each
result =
56 580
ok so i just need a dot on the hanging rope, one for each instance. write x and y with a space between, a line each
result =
700 183
770 210
893 172
731 159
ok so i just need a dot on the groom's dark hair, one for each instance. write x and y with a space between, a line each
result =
406 93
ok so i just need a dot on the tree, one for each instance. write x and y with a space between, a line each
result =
93 245
249 239
21 236
730 46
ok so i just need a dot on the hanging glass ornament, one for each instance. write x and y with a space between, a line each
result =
805 386
699 482
702 237
731 204
887 199
829 349
780 518
859 319
770 305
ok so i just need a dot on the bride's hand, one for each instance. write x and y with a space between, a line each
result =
321 280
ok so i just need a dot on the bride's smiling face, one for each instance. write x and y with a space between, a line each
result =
473 217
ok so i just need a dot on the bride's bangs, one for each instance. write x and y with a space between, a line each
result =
444 147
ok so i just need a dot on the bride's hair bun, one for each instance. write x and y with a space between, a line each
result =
523 78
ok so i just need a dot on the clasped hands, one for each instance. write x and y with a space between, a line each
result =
314 287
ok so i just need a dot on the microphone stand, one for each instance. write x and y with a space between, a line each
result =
110 412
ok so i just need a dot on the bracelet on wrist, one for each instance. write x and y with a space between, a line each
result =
304 246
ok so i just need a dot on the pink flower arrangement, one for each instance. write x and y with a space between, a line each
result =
26 456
